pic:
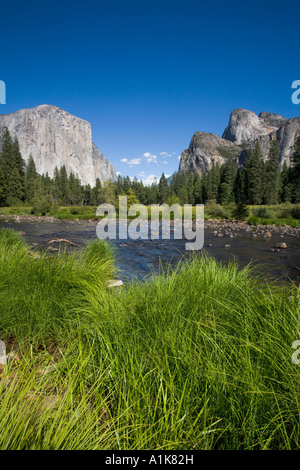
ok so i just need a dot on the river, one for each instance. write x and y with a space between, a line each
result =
138 258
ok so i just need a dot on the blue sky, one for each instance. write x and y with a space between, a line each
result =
148 74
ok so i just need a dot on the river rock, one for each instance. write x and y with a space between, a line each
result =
281 246
267 235
114 283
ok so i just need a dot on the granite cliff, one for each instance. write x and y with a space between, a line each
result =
55 138
243 130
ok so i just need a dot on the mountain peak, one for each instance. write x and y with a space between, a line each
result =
55 137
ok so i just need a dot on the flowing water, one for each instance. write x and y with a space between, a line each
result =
138 258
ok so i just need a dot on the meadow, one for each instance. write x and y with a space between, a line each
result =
279 214
195 357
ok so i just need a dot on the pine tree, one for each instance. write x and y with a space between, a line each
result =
254 166
272 175
228 175
31 179
295 172
99 192
56 185
3 187
18 161
163 190
198 189
286 184
7 153
190 183
64 185
15 186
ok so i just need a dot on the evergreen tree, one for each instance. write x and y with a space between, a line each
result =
163 190
254 167
56 185
64 185
198 189
295 172
272 175
7 153
286 184
15 186
228 175
31 179
3 187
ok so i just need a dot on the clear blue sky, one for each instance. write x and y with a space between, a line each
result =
148 74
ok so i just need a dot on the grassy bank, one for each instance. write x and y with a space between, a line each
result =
196 358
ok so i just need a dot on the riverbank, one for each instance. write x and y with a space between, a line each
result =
199 357
221 225
278 215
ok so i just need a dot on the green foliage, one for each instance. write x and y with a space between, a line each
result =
198 357
254 169
296 212
295 172
264 212
43 205
241 211
254 220
272 181
216 210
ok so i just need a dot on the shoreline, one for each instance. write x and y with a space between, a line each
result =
220 225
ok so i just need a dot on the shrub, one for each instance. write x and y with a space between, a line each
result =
13 201
42 206
264 212
216 210
296 212
241 211
253 220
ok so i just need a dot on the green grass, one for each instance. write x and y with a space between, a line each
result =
198 357
281 214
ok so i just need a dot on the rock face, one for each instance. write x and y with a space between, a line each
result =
205 150
243 130
245 126
55 138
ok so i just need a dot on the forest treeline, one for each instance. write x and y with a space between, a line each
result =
257 182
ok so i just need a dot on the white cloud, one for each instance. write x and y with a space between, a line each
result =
133 161
179 157
151 158
148 180
165 154
165 162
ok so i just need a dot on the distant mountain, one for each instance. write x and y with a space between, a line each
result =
55 138
243 130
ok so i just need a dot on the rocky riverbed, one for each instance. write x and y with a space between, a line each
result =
275 251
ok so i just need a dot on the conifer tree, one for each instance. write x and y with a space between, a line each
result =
295 172
3 187
198 189
31 179
272 175
163 190
15 186
254 166
286 185
64 185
